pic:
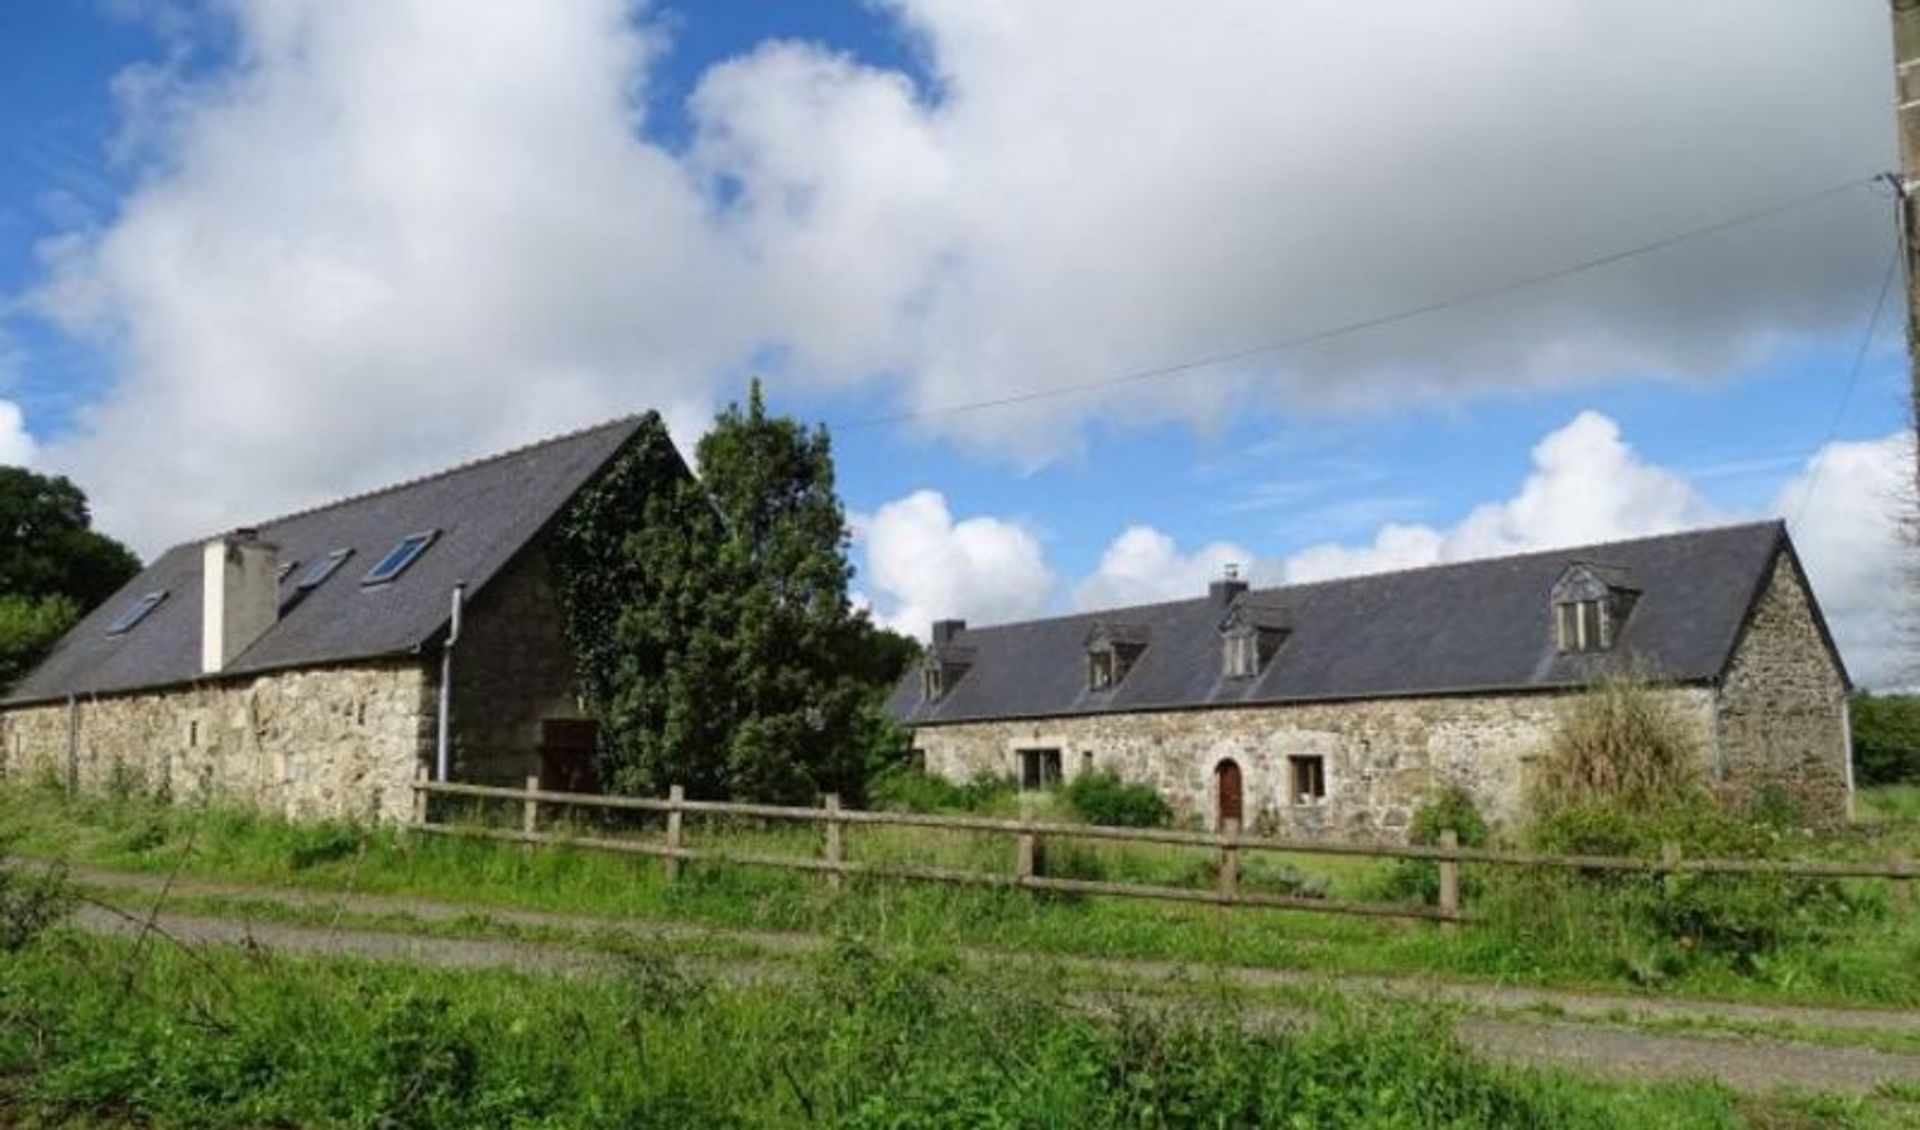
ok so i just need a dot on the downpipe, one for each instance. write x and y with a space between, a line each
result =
443 743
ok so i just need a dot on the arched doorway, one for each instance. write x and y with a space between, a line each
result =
1227 790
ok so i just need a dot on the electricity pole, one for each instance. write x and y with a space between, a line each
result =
1906 70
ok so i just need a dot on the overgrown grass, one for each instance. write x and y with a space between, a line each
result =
100 1030
1875 959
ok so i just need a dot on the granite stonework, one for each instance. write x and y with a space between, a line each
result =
512 670
1782 706
1776 719
338 743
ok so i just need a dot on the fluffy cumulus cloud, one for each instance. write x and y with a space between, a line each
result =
1144 565
393 232
1849 511
924 566
17 446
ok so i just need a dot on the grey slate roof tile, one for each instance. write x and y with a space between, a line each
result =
485 512
1474 626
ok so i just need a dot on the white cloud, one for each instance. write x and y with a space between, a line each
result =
1587 485
1846 510
17 445
1143 566
923 566
395 232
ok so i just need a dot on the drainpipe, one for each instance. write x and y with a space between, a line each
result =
1846 751
443 745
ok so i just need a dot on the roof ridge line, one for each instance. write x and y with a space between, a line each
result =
444 472
1548 551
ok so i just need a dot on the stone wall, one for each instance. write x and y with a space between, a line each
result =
338 743
1381 757
1782 709
512 668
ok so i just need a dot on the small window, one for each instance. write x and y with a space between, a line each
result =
933 684
1307 780
1582 626
318 572
1100 671
1039 768
135 613
398 558
1242 655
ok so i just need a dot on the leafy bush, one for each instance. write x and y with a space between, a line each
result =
1886 738
1419 879
28 627
1101 797
30 902
907 788
1621 779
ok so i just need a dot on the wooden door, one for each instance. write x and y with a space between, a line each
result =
1226 779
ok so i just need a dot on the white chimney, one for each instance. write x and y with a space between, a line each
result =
240 596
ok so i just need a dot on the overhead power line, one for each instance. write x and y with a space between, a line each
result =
1345 329
1853 379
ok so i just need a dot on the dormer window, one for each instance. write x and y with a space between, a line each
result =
1112 650
1590 607
943 667
1250 636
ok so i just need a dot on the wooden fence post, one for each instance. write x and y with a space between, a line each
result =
1027 857
420 797
671 862
1902 888
834 844
1669 858
1449 879
1229 862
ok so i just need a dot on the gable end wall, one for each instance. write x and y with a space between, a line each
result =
1781 708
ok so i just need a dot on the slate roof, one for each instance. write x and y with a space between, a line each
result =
1475 626
485 512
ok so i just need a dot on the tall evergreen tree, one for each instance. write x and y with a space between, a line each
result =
715 639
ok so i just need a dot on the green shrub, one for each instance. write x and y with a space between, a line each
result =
1419 879
907 788
1618 743
1101 797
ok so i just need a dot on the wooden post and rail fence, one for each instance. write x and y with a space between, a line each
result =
1028 835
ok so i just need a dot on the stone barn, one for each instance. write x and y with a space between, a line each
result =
314 664
1334 708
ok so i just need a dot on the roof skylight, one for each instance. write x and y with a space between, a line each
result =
399 558
136 612
318 572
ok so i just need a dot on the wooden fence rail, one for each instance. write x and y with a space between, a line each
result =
1027 835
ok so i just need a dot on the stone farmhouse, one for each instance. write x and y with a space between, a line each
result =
1334 708
314 664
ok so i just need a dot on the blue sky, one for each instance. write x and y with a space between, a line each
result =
256 253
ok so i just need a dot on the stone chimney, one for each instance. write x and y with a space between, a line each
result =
240 596
1228 588
945 630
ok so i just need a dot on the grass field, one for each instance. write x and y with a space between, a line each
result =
1873 957
100 1032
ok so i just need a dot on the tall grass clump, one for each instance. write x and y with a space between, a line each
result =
908 788
1451 807
1622 777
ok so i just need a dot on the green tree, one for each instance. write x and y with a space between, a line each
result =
53 565
1886 738
710 617
48 546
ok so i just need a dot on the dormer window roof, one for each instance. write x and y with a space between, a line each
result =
1112 650
1250 636
1590 605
